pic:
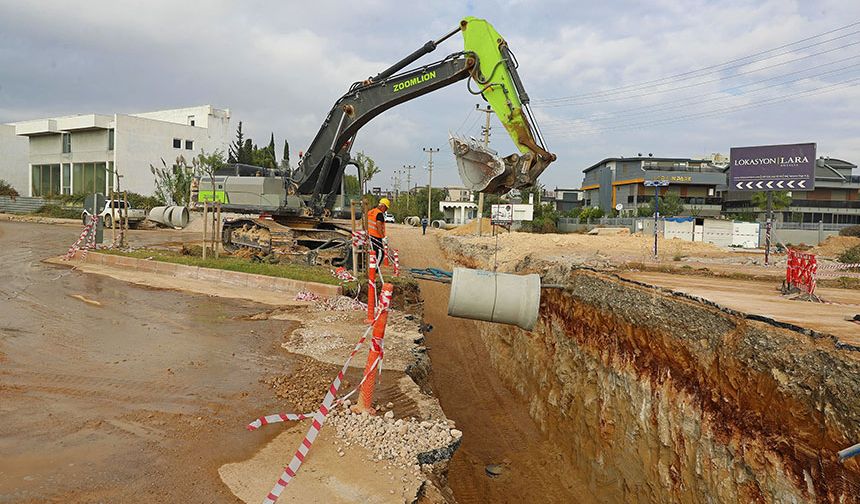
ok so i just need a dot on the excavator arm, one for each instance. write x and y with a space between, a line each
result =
488 62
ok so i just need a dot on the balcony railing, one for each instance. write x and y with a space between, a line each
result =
796 203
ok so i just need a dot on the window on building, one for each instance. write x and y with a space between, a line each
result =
110 139
111 176
191 120
67 143
177 143
45 180
89 178
189 145
67 178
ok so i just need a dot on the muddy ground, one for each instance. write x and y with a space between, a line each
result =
139 399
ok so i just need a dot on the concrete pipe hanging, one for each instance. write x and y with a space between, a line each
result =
495 297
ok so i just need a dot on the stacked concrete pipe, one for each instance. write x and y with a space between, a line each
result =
173 216
412 221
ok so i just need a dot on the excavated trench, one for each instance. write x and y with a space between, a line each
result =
665 399
653 397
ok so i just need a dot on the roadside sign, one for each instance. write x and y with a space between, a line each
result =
502 215
656 183
772 167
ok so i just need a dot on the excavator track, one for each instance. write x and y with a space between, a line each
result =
294 238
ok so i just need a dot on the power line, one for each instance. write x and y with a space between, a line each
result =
716 112
696 84
655 82
657 109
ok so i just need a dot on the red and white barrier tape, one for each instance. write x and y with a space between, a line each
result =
319 417
395 257
359 238
838 266
343 275
87 238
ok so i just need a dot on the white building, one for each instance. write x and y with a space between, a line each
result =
13 158
78 154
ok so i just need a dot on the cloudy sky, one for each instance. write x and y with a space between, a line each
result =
613 78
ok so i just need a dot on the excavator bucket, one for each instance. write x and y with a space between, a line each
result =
495 72
482 169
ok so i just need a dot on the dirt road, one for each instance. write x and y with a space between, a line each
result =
496 424
138 398
762 298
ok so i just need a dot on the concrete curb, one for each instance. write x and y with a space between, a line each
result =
223 277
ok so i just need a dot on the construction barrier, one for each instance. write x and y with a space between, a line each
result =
838 270
395 257
86 241
329 402
375 355
371 287
385 253
359 238
800 271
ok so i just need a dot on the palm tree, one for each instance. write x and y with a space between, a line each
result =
781 200
367 168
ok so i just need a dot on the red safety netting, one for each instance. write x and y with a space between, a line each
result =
800 271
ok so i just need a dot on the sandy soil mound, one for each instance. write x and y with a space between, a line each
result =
471 228
834 245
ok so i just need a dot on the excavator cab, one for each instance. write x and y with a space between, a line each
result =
495 73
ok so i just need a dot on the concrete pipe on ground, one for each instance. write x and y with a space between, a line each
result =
174 216
412 221
438 224
495 297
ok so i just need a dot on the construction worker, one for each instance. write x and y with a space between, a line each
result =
424 222
376 229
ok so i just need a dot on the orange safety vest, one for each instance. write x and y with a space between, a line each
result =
373 227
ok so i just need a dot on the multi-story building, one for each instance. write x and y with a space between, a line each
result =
835 199
619 180
565 200
95 153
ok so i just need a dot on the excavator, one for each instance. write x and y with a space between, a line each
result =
296 207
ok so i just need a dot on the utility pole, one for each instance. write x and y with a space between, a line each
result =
487 111
656 184
768 228
408 169
429 151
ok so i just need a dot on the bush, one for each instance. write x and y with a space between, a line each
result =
53 210
6 189
143 202
850 256
850 231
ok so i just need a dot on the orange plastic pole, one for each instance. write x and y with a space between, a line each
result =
365 394
371 287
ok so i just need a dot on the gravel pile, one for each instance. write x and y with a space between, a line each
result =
338 303
405 443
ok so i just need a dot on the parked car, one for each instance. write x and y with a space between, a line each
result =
135 215
389 217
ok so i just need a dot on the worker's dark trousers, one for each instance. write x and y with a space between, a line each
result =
379 249
424 229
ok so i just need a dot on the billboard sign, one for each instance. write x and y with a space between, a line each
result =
502 215
772 168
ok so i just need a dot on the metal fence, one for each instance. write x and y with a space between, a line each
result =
20 204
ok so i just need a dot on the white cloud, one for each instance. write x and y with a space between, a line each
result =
280 67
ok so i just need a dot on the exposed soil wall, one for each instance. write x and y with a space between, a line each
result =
665 399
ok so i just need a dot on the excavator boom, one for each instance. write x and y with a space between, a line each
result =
495 72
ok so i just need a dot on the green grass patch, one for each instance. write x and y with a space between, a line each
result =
302 272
